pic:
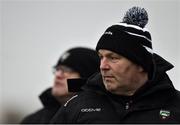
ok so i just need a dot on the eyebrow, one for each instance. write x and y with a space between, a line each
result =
108 54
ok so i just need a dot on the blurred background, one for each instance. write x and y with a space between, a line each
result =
34 33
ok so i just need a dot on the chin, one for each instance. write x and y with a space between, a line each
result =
109 88
108 85
111 85
58 92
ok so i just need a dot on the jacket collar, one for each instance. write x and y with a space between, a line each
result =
162 65
48 100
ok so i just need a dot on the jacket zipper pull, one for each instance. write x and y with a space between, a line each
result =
127 106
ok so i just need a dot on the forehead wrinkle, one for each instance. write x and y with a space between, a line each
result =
108 53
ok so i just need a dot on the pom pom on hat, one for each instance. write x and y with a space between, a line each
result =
136 16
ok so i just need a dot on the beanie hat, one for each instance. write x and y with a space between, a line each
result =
130 39
83 60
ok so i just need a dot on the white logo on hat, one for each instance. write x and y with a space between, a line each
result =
65 56
109 33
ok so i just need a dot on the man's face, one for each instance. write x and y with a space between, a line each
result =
61 74
120 75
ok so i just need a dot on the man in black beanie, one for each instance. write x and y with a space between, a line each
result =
132 87
77 62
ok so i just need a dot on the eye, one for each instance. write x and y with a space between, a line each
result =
113 58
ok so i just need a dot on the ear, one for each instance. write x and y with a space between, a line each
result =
140 69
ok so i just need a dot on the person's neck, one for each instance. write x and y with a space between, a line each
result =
138 83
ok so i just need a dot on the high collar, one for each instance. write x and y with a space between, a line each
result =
48 100
161 64
159 82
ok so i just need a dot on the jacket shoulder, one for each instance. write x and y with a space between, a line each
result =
42 116
33 118
83 98
86 107
175 101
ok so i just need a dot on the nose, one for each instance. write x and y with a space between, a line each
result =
104 64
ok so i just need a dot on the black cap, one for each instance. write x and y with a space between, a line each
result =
83 60
130 39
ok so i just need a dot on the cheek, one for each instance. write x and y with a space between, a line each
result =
119 70
124 68
122 73
60 90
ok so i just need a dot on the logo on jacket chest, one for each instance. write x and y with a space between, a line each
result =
91 110
164 114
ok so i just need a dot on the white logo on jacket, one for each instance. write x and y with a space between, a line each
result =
91 110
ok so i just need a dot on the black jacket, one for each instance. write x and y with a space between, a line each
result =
156 102
44 115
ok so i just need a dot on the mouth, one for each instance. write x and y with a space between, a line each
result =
58 83
108 77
